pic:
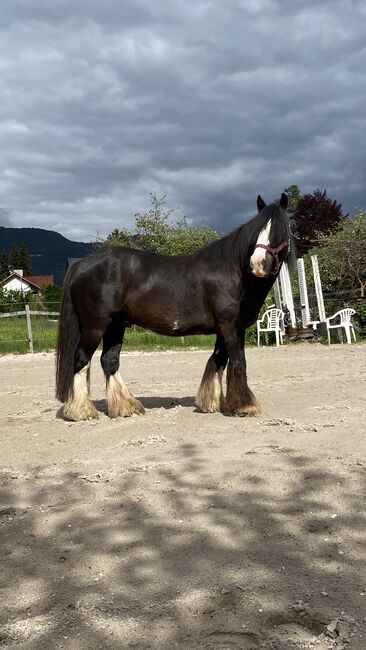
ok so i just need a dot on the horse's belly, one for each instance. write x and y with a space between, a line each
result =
175 324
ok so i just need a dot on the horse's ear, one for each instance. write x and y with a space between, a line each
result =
260 203
284 201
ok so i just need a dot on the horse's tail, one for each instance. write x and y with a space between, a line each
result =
67 340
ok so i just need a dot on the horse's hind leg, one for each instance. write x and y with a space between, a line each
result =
119 399
79 405
210 397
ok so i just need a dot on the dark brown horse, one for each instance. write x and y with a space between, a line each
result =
218 289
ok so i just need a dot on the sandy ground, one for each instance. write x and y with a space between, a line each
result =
179 529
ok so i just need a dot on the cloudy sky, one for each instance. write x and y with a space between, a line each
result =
208 101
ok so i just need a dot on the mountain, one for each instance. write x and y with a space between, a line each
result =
48 251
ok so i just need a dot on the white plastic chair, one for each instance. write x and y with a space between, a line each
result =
343 318
271 321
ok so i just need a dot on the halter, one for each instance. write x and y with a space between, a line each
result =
274 252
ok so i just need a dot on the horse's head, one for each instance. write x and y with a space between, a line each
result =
272 246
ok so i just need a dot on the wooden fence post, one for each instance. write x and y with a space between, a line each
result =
29 328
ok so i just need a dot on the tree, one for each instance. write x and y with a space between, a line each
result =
24 260
185 238
19 259
342 256
294 197
4 266
51 297
14 260
315 214
119 238
155 231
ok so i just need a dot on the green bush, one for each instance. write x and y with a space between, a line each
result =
51 297
13 301
360 317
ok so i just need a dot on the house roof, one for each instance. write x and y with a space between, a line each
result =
72 260
34 281
39 280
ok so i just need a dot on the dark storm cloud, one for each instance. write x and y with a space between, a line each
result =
211 103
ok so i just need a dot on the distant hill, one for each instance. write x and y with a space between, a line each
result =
48 250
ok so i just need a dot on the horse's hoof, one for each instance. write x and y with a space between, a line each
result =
86 411
243 411
120 401
246 411
129 407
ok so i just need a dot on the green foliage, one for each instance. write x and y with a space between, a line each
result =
24 260
360 317
51 297
19 259
153 227
294 196
12 301
342 256
155 231
184 238
14 259
48 299
119 238
35 302
251 335
4 266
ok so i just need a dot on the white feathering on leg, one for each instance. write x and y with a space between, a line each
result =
120 401
79 407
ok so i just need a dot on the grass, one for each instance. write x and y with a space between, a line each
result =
14 334
14 337
145 340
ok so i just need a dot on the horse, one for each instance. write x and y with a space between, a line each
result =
218 289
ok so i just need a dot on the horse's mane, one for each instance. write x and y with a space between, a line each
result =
238 246
234 248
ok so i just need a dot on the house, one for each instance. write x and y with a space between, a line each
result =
16 281
71 261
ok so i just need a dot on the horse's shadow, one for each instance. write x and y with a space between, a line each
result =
167 402
148 403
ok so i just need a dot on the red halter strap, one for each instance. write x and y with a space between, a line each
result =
274 252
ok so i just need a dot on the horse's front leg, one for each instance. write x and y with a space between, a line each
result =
239 398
